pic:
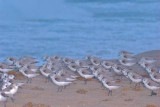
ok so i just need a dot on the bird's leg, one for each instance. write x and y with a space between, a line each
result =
85 81
58 89
61 89
130 82
27 80
135 86
153 93
5 103
30 80
139 85
12 99
111 92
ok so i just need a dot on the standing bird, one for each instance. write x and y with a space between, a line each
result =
150 85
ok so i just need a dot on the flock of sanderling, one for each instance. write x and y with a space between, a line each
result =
63 71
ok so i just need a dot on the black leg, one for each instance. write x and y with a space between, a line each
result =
27 80
30 80
130 82
5 103
12 99
85 81
58 89
61 89
135 86
111 92
153 93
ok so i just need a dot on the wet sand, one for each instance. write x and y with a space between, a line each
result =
44 94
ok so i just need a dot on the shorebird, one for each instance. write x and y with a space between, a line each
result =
123 52
83 64
127 57
117 69
33 67
147 60
11 60
125 62
67 73
83 72
107 64
13 90
58 80
29 76
6 68
3 98
155 76
28 60
45 72
109 85
125 72
95 61
137 79
151 69
73 67
150 85
67 60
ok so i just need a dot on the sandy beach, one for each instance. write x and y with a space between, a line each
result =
44 94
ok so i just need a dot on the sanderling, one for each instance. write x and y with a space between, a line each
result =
150 85
127 57
83 72
45 72
125 62
29 76
68 60
58 80
125 72
33 67
3 98
107 64
125 52
137 79
147 60
95 61
83 64
73 66
13 90
117 69
11 60
109 85
6 68
155 76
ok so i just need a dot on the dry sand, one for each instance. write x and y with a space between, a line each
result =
44 94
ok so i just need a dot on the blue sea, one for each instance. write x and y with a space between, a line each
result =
76 28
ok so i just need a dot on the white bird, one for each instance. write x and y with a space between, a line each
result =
147 60
124 62
83 72
137 79
150 85
3 98
107 64
29 76
117 69
155 76
61 82
109 86
13 90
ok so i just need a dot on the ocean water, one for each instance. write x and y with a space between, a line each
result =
76 28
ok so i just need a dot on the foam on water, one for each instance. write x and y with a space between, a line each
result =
76 28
